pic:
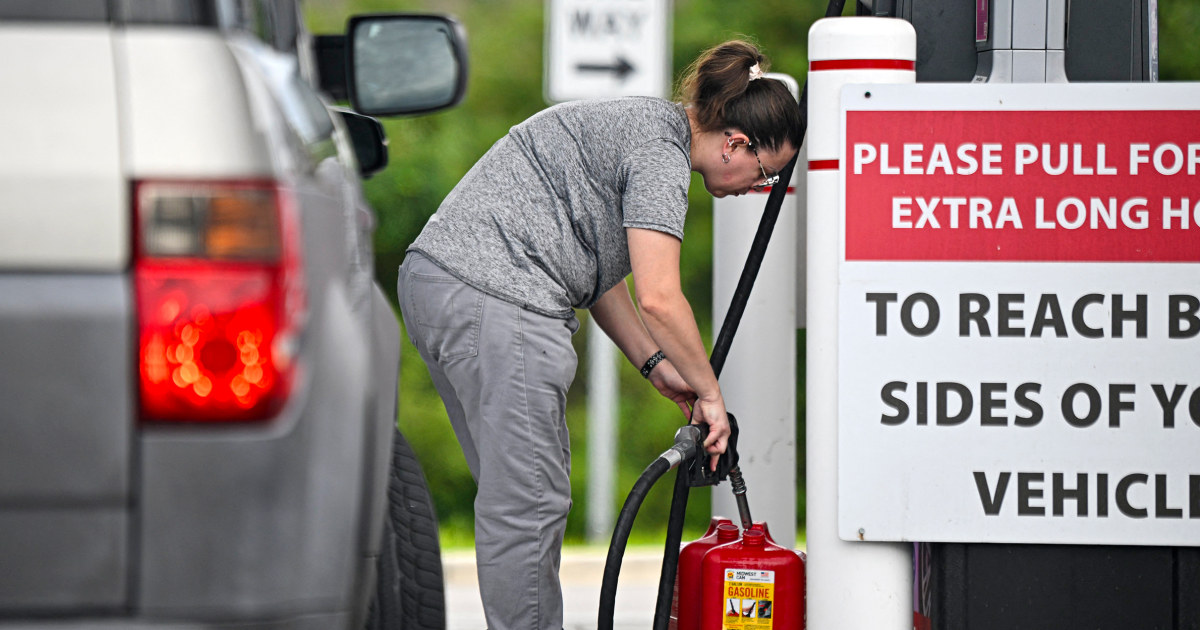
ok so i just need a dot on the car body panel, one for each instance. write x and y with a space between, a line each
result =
65 449
62 129
198 128
73 558
65 471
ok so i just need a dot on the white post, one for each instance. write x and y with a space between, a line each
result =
851 584
602 433
759 377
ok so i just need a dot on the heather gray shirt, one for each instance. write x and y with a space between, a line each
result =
540 219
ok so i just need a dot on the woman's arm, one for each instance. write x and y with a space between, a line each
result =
668 319
616 316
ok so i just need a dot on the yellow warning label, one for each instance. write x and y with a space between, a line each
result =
749 599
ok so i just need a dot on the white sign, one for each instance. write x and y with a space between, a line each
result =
1019 314
606 48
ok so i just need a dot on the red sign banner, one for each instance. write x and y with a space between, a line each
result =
1083 186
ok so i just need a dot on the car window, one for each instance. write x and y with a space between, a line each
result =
55 10
184 12
192 12
273 22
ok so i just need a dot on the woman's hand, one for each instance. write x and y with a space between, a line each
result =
666 379
712 413
670 384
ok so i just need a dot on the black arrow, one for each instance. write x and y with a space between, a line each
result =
621 68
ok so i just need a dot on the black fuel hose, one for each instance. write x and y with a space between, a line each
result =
666 579
687 443
616 548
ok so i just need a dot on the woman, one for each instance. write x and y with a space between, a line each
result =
553 218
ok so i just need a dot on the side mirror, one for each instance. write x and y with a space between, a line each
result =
369 140
405 63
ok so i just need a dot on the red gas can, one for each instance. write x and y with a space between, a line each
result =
762 526
685 609
751 584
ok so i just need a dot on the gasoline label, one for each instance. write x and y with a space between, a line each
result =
749 599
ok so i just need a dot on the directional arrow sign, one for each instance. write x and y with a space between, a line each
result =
604 48
619 68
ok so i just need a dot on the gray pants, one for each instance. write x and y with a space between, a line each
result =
503 373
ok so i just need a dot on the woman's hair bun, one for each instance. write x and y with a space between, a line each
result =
721 88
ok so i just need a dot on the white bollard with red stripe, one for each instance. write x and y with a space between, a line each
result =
851 584
759 379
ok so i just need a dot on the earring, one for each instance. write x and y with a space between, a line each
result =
725 158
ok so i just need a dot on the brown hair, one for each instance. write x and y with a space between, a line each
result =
718 88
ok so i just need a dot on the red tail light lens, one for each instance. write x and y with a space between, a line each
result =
220 299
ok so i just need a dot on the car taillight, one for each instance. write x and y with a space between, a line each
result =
220 299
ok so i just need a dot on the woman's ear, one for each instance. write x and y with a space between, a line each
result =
733 138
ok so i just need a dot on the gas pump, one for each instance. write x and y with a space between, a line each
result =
1029 41
993 585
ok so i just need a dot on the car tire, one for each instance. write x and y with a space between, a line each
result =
409 593
384 613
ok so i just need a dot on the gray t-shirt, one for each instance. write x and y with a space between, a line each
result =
540 219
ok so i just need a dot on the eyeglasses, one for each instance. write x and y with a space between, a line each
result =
768 180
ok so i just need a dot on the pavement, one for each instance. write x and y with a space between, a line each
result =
581 573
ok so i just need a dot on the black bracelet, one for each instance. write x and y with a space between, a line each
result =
655 359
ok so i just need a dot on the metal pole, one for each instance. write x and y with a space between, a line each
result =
602 433
850 584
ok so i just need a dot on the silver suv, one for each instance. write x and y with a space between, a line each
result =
198 389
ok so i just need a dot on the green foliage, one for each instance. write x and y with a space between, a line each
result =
1178 45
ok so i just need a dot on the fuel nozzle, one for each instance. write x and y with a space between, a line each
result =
699 473
688 441
739 495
